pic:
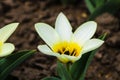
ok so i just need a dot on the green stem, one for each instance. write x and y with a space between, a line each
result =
68 66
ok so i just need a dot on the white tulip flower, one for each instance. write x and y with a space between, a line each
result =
63 43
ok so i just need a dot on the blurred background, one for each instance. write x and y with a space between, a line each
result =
106 63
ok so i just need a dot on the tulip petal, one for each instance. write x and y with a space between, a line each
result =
84 32
7 49
71 58
7 30
47 33
91 45
63 27
63 59
46 50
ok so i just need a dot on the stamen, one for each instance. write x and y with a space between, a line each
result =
72 52
68 48
63 49
75 53
66 52
59 52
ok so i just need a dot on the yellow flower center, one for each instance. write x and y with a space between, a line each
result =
1 44
68 48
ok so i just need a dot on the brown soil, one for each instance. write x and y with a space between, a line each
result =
106 63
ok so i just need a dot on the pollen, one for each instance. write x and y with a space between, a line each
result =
1 44
68 48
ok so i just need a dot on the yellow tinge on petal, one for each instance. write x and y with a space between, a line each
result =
1 44
68 48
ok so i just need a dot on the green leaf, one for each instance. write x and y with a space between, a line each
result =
99 3
63 72
78 69
2 61
90 5
7 64
51 78
93 4
111 6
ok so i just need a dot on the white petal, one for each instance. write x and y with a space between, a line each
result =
63 27
46 50
7 30
71 58
84 32
91 45
47 33
63 58
7 49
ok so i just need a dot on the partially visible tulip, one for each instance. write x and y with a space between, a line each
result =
5 33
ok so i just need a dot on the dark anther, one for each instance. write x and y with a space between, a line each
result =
72 52
66 52
63 49
59 51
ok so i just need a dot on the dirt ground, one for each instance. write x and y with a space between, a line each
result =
106 63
